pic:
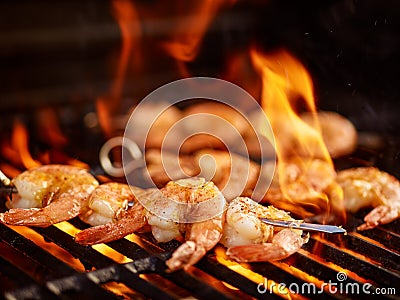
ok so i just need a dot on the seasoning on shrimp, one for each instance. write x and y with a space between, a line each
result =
108 211
169 213
250 240
48 195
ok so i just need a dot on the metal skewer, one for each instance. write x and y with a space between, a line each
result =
4 180
305 226
5 185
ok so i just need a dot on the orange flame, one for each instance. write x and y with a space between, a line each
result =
128 20
19 142
305 169
190 29
49 127
244 270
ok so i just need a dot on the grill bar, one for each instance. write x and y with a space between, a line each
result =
56 267
33 292
386 234
20 280
353 241
361 267
189 282
272 272
88 256
78 285
303 261
376 261
223 273
74 283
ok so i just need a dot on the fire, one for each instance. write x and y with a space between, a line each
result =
285 79
189 30
20 143
305 169
50 247
127 17
244 270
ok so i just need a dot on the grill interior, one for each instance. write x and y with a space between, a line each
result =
370 256
46 263
66 59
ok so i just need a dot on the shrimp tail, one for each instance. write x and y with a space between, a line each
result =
185 256
381 214
202 237
284 244
57 211
133 220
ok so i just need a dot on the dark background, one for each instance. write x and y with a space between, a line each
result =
63 53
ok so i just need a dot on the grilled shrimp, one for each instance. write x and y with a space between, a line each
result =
250 240
307 187
187 209
370 187
192 209
107 203
108 211
49 194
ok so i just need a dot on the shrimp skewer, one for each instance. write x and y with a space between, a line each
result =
172 213
48 195
250 240
366 187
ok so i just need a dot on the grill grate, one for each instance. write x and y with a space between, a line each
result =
364 259
29 271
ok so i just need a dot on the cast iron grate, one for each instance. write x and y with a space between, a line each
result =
29 271
369 261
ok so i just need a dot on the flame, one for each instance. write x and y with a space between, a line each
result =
50 247
49 127
190 29
127 17
20 144
244 270
305 169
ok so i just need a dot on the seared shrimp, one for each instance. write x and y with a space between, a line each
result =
250 240
107 203
108 211
129 222
190 207
308 188
370 187
187 209
49 194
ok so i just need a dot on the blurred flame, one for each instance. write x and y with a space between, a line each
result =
49 127
20 143
285 81
190 29
129 24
